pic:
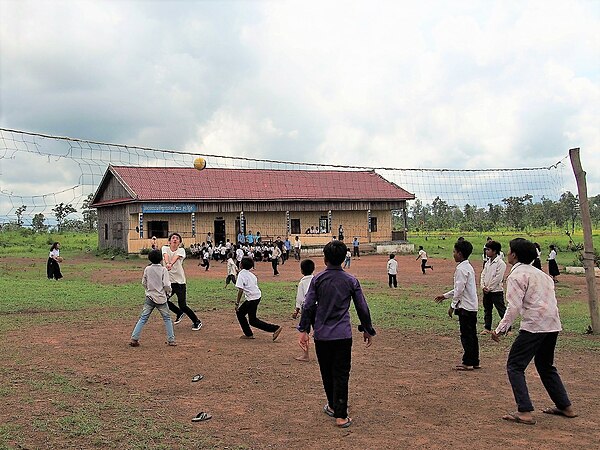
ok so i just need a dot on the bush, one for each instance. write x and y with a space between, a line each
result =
596 258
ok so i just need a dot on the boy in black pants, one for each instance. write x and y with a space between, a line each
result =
328 302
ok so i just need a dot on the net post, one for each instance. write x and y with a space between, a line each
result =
588 244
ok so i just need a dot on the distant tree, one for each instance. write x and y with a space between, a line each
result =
594 204
61 211
38 225
569 208
515 211
90 216
19 213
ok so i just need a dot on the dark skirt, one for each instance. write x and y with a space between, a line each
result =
537 263
553 268
53 269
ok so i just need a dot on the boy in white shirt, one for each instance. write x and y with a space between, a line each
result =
247 285
464 305
423 255
307 267
158 286
232 270
392 270
491 284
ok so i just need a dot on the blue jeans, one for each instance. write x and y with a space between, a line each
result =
163 309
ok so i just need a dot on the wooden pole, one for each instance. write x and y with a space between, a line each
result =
588 244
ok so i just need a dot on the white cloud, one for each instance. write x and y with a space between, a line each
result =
398 84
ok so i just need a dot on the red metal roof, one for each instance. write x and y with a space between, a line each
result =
189 184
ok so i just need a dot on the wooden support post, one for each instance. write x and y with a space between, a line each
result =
588 244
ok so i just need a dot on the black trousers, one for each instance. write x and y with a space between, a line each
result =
356 252
180 291
335 360
424 265
491 300
229 279
392 280
468 336
274 263
249 308
53 269
541 347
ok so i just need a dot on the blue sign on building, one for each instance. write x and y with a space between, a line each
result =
169 208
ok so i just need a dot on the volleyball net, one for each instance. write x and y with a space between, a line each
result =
43 175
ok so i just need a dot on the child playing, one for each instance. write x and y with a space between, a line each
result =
348 260
491 284
205 259
423 256
247 285
530 293
464 305
307 267
392 270
232 270
327 303
158 286
552 266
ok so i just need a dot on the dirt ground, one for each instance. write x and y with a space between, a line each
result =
403 393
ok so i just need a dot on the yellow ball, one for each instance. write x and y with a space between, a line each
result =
199 163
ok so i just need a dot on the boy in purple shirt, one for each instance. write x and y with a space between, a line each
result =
327 305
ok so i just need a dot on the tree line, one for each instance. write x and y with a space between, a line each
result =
516 213
61 212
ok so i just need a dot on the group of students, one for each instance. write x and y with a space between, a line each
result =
529 293
323 303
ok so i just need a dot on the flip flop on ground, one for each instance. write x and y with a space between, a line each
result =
197 378
327 410
346 424
201 417
558 412
513 417
464 368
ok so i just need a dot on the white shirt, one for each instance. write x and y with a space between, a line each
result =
248 282
530 293
465 290
423 255
276 253
54 254
302 290
551 255
298 244
231 267
392 266
156 282
239 254
493 274
176 274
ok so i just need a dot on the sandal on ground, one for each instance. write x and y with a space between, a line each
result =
201 417
463 368
558 412
134 343
513 417
346 424
327 410
197 378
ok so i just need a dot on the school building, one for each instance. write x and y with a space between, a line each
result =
136 203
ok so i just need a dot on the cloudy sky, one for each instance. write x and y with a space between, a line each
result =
462 84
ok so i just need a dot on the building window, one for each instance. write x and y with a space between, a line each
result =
118 230
373 224
106 232
323 225
158 228
295 226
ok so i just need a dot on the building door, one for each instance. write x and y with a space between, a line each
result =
219 231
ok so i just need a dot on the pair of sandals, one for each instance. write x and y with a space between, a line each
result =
201 416
327 410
